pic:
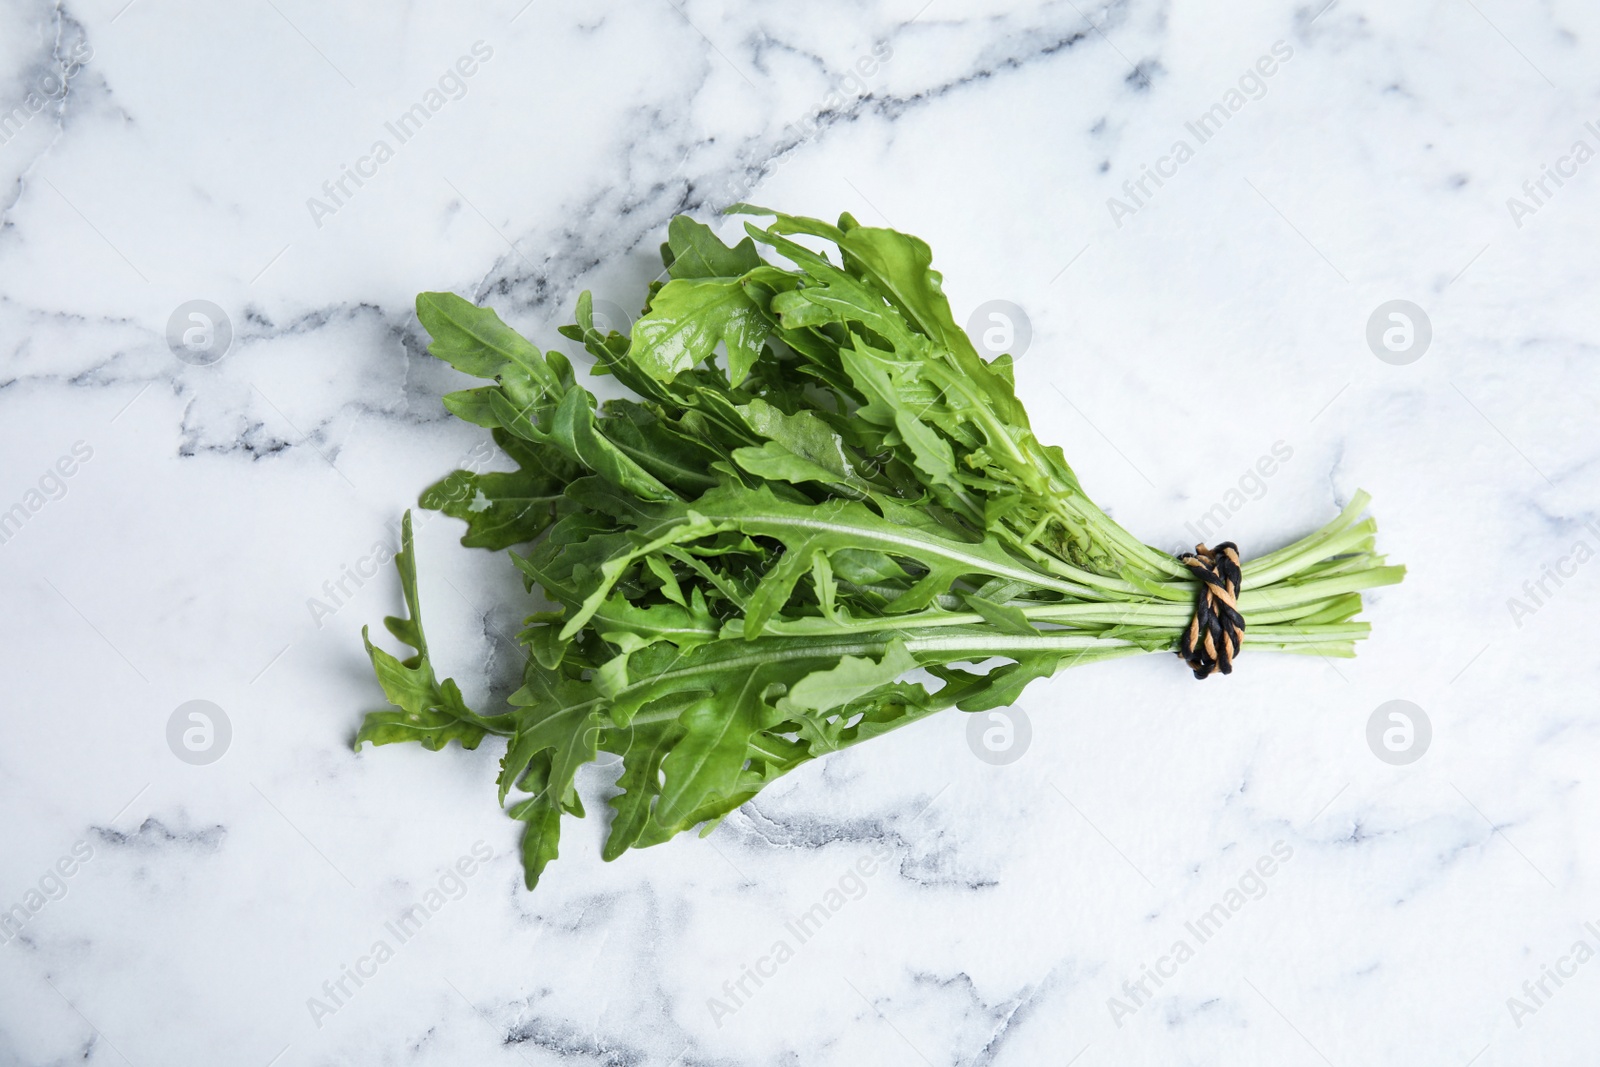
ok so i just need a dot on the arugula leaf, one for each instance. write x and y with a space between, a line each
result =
430 712
474 340
639 785
696 252
686 321
801 447
852 679
505 509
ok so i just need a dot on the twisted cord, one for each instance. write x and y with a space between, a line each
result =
1216 632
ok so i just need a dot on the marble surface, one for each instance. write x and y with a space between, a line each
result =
176 913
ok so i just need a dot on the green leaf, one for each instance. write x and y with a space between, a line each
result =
706 763
473 405
800 448
853 678
776 586
696 252
541 837
505 509
430 713
640 785
1002 617
569 733
440 717
574 429
676 454
774 463
475 340
686 321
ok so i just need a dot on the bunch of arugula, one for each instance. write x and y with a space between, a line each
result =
820 517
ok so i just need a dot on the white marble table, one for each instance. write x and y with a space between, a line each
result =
173 522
